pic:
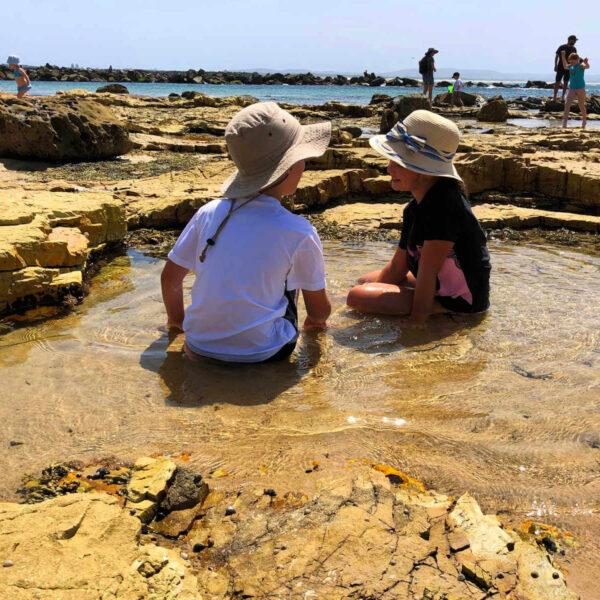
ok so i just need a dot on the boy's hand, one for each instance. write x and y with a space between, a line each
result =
310 324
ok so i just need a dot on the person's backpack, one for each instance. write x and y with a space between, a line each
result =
423 66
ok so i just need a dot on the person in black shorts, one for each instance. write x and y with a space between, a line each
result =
442 263
562 74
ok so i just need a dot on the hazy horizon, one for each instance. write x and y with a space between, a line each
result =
334 37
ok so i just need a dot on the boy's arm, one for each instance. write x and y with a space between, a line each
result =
396 270
433 255
318 308
171 281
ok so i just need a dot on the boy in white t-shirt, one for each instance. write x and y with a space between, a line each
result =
456 99
251 256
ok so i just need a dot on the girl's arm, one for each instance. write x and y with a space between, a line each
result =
433 255
171 281
585 64
396 270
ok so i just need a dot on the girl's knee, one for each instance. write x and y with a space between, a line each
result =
355 296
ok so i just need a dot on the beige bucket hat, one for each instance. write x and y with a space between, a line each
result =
424 142
264 142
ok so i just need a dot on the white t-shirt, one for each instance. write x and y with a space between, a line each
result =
238 299
458 85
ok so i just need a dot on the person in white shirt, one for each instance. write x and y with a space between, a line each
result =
456 99
250 255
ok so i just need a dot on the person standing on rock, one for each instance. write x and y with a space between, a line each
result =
576 68
442 263
251 256
20 75
562 74
456 99
427 69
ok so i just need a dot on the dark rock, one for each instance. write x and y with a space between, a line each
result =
378 81
185 491
381 99
444 98
112 88
402 107
270 492
16 444
354 131
549 544
230 511
494 111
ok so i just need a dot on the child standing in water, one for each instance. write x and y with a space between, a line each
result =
21 77
442 263
250 255
576 68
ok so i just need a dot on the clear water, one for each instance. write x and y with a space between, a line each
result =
505 406
297 94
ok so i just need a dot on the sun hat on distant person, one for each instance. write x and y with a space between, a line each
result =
431 50
424 142
13 60
264 142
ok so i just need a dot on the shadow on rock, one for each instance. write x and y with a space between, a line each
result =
208 381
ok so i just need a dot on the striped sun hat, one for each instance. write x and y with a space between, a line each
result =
424 142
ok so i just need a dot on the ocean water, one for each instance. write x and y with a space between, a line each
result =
297 94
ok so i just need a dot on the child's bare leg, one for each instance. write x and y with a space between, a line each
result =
568 103
581 100
373 276
381 298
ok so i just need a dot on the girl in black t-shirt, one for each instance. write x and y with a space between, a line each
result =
442 262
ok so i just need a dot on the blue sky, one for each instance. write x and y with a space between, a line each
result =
334 35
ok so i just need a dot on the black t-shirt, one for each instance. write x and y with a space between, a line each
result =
568 50
429 62
444 214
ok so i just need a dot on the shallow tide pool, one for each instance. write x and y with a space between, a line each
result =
505 406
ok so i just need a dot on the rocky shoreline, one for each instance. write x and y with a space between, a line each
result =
169 158
156 529
50 72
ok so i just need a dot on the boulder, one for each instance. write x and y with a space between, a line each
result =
62 128
112 88
378 81
381 99
495 110
353 130
444 98
402 107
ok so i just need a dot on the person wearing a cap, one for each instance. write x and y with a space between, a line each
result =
429 69
250 255
562 74
20 75
442 263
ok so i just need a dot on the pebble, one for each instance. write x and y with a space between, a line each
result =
8 563
230 511
184 555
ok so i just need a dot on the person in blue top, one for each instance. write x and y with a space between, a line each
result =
576 68
21 77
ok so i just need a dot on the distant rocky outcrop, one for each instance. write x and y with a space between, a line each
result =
495 110
445 98
60 128
112 88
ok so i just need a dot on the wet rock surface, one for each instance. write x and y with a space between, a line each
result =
362 531
59 129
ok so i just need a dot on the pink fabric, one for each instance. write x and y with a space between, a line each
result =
451 277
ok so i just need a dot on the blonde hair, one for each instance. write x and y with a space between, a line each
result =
573 56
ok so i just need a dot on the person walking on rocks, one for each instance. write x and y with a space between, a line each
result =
456 99
250 255
442 263
562 74
21 77
576 68
427 69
